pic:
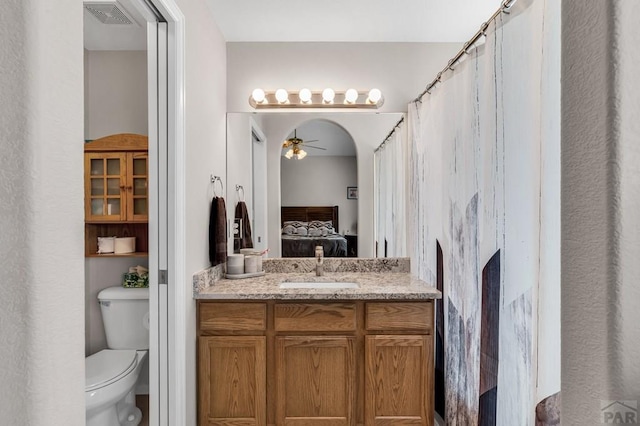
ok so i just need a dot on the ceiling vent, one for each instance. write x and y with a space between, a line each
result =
110 13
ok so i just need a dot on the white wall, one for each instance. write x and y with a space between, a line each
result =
239 166
205 107
322 181
367 131
117 93
41 214
400 70
600 204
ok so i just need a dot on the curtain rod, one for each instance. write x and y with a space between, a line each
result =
504 7
389 135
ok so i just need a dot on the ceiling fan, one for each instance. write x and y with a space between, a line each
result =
295 147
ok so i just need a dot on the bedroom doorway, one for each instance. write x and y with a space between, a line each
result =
319 189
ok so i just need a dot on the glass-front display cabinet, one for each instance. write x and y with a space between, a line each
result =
116 192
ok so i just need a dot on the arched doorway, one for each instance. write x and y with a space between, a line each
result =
319 183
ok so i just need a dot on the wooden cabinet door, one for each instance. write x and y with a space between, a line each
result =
105 186
137 183
232 381
315 381
399 380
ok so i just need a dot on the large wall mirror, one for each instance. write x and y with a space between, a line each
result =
322 178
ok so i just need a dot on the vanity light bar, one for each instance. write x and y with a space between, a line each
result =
327 98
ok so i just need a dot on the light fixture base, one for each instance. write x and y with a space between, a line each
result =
316 101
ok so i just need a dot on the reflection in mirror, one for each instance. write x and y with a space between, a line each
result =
317 166
256 160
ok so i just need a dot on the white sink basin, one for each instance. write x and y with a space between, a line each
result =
319 285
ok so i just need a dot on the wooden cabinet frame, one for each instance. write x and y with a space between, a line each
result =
126 148
304 337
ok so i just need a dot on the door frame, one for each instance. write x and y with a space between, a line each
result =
173 409
168 323
261 230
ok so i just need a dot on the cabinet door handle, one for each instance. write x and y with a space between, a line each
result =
130 188
122 187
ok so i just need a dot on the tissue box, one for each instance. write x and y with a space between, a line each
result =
135 280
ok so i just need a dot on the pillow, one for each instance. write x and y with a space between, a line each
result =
295 227
316 232
325 227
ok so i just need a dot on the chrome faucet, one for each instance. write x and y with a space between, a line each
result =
319 261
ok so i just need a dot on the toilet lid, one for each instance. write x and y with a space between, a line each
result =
107 366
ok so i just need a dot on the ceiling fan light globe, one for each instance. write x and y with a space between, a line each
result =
351 96
282 96
301 154
258 95
305 96
289 154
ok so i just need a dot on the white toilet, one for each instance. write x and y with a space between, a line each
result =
111 374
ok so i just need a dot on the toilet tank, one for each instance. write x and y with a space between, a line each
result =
125 314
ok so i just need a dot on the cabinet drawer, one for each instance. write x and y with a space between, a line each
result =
233 316
315 316
400 316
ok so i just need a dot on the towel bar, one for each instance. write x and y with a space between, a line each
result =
215 179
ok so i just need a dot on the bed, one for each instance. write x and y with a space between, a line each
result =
304 228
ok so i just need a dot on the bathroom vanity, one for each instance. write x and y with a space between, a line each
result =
292 348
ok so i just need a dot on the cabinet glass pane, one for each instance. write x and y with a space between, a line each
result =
113 166
97 186
140 206
97 167
113 206
140 167
97 206
140 186
113 186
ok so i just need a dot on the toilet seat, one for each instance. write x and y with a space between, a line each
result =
108 366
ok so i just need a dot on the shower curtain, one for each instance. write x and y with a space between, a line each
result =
390 179
484 183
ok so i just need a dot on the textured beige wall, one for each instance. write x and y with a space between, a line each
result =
600 202
41 213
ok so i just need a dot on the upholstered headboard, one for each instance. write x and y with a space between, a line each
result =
307 214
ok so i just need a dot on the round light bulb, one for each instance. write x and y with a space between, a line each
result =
351 96
375 95
305 95
258 95
282 96
327 95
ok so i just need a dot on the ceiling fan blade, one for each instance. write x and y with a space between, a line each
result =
316 147
314 140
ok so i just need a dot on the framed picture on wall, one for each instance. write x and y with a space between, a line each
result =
352 192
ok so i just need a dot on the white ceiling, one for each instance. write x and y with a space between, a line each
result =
99 36
315 21
351 20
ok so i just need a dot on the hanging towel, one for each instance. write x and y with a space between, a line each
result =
218 232
244 240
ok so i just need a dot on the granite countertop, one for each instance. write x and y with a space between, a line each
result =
373 286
